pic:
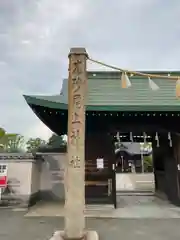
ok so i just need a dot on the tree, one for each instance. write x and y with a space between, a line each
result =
148 163
33 144
56 141
2 139
146 146
10 142
16 143
54 144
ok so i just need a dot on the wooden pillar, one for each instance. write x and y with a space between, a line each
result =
177 157
75 179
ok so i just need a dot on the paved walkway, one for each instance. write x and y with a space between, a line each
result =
14 226
140 206
137 217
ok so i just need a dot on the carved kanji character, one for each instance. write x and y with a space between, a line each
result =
75 161
74 137
77 100
75 118
76 83
76 67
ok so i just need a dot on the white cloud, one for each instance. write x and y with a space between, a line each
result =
39 130
26 42
2 63
36 36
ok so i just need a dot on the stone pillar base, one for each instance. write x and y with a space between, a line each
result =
90 235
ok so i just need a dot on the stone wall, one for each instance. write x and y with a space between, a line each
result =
52 176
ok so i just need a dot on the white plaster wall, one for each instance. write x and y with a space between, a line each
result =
19 172
19 176
29 176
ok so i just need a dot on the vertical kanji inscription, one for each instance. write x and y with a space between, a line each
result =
77 111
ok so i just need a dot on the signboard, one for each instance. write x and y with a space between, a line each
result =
3 175
100 163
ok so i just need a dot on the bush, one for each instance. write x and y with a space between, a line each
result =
148 163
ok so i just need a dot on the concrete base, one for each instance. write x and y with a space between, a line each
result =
90 235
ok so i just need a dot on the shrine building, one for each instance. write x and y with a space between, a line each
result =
135 111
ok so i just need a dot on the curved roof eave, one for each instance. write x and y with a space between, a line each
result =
60 102
54 101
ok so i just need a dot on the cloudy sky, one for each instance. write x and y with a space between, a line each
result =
36 35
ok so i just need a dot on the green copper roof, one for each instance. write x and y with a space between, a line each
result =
105 94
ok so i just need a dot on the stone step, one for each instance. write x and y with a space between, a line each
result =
135 193
99 207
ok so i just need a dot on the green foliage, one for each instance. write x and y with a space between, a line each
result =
3 138
15 143
10 142
2 132
56 141
148 163
33 144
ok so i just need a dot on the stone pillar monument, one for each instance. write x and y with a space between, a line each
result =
75 168
75 174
